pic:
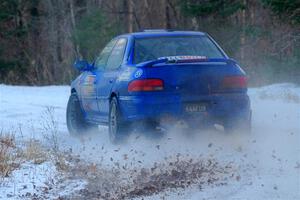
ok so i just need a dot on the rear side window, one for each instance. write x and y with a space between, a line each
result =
116 57
146 49
104 55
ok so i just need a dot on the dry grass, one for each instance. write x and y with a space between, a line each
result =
50 133
50 128
34 152
9 156
12 155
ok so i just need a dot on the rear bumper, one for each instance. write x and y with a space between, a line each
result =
219 106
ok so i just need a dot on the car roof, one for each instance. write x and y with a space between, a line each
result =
160 33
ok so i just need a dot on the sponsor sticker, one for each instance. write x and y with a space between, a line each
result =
138 73
89 80
124 76
183 58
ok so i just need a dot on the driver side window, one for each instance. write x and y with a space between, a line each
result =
104 55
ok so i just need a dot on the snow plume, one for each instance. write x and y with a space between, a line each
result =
263 165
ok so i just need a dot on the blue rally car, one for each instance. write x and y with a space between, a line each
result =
149 76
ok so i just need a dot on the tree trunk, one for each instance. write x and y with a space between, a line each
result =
130 16
243 36
73 20
167 24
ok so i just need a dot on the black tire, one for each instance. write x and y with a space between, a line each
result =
75 120
147 126
196 125
118 130
242 125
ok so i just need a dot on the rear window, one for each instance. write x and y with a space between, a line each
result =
146 49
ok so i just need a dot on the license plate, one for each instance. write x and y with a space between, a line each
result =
195 108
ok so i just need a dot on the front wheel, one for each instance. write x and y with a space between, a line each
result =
117 127
75 120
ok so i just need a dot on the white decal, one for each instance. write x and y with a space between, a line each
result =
138 73
124 76
175 58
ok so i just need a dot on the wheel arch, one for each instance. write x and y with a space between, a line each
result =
73 91
115 95
112 95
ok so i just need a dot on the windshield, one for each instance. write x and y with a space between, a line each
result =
146 49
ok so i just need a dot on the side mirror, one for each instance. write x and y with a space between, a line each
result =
83 65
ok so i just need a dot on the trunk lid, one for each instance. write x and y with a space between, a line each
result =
194 79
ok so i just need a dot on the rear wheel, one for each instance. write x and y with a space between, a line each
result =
241 125
117 127
75 120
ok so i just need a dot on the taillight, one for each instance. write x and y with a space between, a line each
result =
145 85
234 82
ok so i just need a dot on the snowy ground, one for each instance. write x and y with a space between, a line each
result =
264 165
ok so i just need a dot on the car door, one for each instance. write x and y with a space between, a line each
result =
109 76
88 93
90 80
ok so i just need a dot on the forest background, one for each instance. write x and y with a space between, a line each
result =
40 39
